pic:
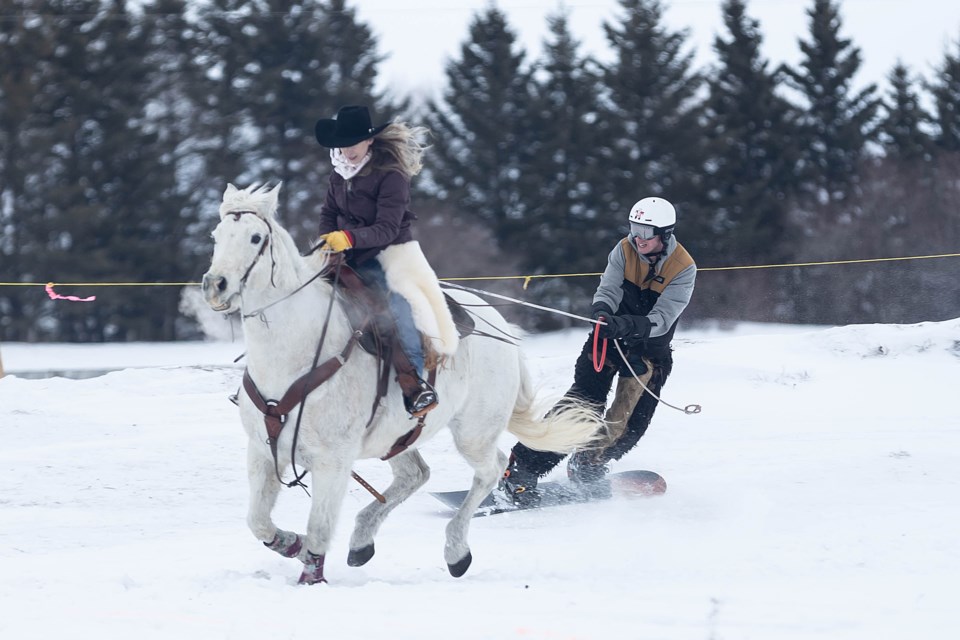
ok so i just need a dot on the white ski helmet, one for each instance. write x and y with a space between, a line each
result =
657 213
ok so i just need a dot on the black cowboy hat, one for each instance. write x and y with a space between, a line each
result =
352 125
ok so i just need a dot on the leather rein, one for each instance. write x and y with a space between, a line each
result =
276 412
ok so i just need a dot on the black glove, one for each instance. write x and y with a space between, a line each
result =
626 327
604 314
601 310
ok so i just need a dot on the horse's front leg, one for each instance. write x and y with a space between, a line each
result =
329 484
264 487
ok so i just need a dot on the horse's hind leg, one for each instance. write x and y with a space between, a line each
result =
410 472
488 463
264 488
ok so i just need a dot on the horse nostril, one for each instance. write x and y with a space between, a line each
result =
221 285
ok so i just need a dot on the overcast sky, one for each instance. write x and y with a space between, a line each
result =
420 35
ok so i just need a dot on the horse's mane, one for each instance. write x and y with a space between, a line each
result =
259 199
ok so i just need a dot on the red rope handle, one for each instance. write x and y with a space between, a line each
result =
598 365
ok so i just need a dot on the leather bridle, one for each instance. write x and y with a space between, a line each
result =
263 247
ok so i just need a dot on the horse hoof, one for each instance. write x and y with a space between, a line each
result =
360 557
460 568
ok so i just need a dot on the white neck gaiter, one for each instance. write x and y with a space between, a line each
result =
342 166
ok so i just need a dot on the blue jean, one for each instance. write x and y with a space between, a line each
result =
372 273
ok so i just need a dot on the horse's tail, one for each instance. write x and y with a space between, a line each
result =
569 425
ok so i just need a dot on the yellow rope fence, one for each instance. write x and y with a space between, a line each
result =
527 279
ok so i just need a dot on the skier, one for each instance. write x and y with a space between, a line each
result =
646 285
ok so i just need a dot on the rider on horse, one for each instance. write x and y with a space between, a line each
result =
366 215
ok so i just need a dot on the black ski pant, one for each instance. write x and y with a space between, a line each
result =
593 387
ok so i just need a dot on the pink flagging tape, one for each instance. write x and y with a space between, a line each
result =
56 296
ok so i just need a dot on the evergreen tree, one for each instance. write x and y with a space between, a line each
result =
565 184
94 192
300 61
836 121
353 58
901 128
161 194
26 43
219 89
654 114
65 227
751 150
482 126
118 127
902 182
946 95
107 205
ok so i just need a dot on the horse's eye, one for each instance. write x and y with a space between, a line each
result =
255 239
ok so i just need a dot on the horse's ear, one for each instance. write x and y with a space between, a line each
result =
228 195
273 197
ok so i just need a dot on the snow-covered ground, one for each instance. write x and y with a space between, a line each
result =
816 496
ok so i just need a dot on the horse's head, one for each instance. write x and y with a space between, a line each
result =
243 245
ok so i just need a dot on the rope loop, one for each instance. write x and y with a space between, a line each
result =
598 364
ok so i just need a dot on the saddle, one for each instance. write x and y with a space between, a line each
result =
368 310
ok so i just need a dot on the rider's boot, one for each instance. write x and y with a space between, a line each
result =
419 396
520 485
589 475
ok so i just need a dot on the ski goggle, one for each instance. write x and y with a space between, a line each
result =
642 231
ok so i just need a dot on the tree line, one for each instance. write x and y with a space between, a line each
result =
122 122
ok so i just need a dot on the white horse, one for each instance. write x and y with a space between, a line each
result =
483 388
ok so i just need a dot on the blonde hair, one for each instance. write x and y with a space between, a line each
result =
399 147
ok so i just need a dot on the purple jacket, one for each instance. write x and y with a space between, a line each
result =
374 208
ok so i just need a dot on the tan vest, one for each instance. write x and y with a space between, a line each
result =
636 270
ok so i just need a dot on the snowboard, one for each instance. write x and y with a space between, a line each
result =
633 483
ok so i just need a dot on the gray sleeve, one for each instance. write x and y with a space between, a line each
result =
672 301
610 291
